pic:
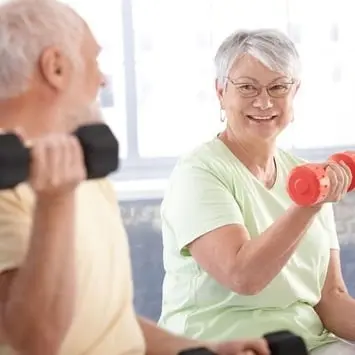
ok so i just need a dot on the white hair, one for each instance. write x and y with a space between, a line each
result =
271 47
27 27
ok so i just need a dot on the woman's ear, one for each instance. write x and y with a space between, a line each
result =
298 84
219 92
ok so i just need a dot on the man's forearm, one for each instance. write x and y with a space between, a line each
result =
41 296
338 315
161 342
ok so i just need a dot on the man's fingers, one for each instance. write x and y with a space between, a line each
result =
260 347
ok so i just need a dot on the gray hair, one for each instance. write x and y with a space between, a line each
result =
271 47
27 27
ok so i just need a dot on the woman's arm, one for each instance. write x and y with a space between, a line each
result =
336 308
247 265
209 224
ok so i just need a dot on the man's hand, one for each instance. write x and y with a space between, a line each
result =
57 165
242 347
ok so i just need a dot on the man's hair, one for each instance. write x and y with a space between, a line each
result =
27 27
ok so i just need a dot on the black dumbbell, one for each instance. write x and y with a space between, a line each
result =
285 343
280 343
100 149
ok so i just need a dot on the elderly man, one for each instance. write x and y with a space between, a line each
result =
65 279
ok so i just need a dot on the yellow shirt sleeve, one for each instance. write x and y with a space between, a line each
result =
15 226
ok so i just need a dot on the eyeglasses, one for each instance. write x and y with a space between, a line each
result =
276 90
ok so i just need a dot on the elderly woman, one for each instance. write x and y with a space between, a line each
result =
241 258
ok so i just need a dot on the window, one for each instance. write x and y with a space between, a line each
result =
105 20
173 61
323 114
158 56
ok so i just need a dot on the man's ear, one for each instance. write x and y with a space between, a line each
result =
54 67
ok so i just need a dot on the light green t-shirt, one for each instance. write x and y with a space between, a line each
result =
210 188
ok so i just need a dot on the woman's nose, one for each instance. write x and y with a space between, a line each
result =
263 101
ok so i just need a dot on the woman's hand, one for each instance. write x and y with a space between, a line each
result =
340 177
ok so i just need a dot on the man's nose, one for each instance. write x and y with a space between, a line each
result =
103 80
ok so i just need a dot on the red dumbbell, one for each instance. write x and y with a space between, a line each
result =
309 184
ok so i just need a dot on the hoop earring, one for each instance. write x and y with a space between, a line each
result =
222 115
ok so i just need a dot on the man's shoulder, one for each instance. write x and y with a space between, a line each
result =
108 189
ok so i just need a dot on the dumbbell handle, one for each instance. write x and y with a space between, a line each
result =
280 343
100 149
309 184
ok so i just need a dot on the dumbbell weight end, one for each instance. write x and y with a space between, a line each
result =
308 184
285 343
14 161
101 150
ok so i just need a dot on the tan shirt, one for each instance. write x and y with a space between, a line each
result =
105 322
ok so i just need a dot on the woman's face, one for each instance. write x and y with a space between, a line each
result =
257 101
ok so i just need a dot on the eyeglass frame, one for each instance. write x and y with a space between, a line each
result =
260 87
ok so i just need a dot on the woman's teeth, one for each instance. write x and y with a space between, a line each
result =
261 118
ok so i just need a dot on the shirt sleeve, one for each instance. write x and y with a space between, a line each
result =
15 226
329 221
197 202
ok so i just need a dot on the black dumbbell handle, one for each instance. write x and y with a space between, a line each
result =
280 343
100 149
197 351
